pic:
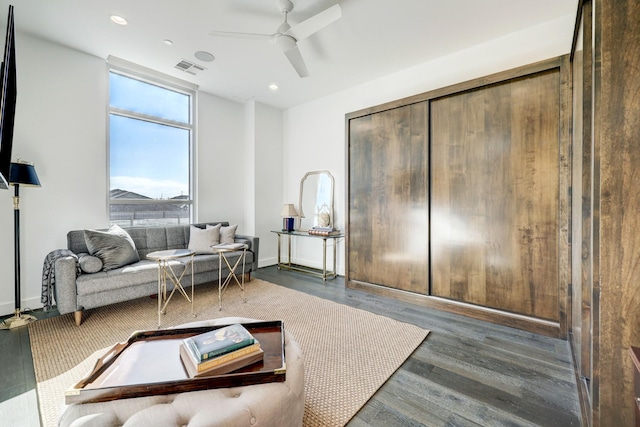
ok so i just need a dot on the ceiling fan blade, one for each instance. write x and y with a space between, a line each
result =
234 35
317 22
295 58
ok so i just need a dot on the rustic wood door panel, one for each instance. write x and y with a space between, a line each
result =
494 196
388 204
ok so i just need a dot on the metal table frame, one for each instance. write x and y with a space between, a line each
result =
165 270
288 265
221 250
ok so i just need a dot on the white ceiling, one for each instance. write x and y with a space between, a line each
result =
372 39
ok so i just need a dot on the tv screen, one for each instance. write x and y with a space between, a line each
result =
8 92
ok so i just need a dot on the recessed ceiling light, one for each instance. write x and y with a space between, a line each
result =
273 87
204 56
168 42
118 20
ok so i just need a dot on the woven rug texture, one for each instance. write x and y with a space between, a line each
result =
348 353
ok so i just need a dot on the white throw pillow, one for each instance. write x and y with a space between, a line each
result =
201 239
228 234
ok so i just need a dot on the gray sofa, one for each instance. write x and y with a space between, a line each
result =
75 292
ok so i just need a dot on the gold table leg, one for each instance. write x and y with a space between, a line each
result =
222 286
164 270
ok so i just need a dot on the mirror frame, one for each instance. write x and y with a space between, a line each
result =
300 210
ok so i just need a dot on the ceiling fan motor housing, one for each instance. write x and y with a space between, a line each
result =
286 6
285 42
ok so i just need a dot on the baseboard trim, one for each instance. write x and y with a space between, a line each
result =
30 304
518 321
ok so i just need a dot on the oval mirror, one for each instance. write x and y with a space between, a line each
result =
315 208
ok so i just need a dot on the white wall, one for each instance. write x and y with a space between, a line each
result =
314 135
268 179
220 153
61 128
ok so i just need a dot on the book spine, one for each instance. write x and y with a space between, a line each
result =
211 363
192 346
226 350
323 233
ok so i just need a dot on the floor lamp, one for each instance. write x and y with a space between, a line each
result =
20 173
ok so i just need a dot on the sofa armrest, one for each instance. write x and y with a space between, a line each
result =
254 246
66 294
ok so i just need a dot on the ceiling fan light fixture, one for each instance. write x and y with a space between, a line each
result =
119 20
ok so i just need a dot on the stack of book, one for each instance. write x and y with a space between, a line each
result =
324 231
220 351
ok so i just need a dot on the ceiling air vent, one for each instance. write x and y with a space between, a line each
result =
189 67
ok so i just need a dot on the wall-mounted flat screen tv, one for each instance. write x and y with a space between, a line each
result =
8 91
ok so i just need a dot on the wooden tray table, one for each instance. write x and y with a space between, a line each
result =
148 363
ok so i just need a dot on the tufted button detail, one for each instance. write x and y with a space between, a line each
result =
253 420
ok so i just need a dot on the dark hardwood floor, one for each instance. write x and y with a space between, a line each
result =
466 373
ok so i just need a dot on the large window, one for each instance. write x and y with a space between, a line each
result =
150 140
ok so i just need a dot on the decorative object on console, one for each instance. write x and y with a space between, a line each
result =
20 173
324 216
316 198
288 214
324 231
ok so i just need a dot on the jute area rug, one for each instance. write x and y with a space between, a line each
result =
348 353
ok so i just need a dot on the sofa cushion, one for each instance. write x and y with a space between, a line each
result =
89 263
209 263
228 234
142 272
201 239
114 247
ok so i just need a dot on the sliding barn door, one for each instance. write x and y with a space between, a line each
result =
388 204
494 195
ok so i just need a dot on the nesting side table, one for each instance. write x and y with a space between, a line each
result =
165 270
223 250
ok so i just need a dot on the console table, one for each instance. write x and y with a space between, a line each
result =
288 265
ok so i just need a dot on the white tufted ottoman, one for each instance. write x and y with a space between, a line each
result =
278 404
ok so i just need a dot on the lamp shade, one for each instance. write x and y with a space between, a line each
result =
288 211
24 174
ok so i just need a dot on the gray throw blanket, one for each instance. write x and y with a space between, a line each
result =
49 273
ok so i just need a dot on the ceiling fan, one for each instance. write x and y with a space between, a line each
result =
287 37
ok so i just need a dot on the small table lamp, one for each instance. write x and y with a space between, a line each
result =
20 173
288 214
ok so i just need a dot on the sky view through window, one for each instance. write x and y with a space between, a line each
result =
148 158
